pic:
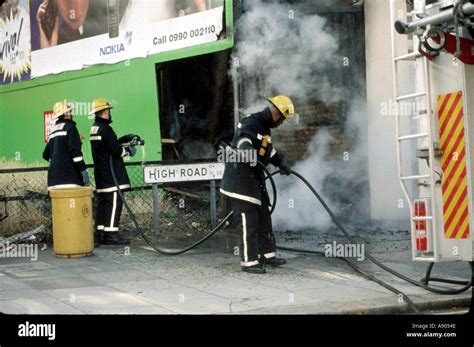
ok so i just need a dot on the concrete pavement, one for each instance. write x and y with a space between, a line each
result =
208 280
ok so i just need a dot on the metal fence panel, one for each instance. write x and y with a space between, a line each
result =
182 208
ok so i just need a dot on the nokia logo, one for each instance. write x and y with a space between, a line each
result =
112 49
118 47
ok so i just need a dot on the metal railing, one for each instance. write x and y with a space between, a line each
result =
159 208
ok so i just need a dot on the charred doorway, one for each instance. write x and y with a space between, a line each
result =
195 106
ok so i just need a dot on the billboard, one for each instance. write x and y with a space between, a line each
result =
72 34
15 48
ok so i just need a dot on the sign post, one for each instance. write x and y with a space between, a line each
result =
159 174
213 202
156 209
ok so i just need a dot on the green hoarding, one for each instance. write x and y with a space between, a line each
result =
130 84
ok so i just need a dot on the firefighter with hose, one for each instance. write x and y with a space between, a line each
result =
244 184
104 144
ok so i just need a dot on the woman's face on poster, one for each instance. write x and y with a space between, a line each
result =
74 12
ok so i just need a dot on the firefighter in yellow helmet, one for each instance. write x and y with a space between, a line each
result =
244 183
63 150
104 144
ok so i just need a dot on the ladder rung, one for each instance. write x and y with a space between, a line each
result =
410 96
409 56
414 136
421 218
416 177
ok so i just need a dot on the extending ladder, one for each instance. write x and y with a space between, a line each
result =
424 95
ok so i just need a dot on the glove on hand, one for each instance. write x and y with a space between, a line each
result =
131 150
285 168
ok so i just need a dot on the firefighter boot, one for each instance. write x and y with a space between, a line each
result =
113 239
254 269
274 261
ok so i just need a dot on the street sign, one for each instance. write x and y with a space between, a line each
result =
183 172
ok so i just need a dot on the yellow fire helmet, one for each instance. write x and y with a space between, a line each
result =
99 104
284 105
62 107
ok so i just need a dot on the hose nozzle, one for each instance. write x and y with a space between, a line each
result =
137 141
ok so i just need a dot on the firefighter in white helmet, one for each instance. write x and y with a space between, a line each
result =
244 184
63 151
104 144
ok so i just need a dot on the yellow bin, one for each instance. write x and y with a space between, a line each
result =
72 222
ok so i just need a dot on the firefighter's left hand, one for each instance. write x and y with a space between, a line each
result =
131 150
285 168
85 177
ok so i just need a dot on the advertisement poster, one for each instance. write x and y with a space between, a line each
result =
69 35
48 123
15 48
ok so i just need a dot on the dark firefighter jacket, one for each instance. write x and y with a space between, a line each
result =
241 180
63 151
104 144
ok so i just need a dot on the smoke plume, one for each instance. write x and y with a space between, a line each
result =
337 178
291 53
282 50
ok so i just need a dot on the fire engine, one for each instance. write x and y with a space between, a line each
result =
436 146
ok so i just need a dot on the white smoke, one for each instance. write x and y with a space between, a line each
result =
291 53
297 208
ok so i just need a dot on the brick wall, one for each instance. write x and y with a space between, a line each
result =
293 139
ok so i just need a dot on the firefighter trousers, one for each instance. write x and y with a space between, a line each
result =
109 209
255 223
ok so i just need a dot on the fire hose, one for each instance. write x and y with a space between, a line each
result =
169 251
422 283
